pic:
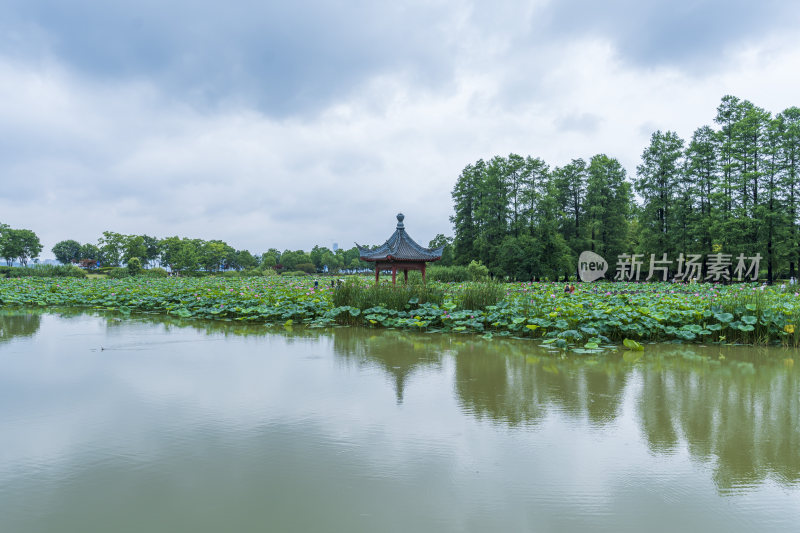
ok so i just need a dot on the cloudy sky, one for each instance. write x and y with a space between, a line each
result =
290 124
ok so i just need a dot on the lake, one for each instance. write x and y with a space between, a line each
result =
153 424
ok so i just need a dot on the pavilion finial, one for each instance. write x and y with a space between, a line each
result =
400 217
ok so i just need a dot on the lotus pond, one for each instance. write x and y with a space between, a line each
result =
595 318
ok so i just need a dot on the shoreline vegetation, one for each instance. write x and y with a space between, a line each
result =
598 316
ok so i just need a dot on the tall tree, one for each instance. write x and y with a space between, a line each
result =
729 113
536 177
569 186
658 179
702 168
152 250
789 161
607 207
111 245
133 246
492 211
465 199
90 252
772 226
22 244
68 251
6 249
513 172
750 149
447 253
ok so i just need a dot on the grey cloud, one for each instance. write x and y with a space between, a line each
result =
691 34
284 57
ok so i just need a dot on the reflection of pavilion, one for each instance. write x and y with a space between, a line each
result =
397 354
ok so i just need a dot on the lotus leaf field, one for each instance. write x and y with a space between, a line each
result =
597 315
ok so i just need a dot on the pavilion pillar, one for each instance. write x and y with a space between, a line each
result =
394 274
377 272
405 276
423 272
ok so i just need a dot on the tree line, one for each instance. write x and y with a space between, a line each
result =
181 254
732 189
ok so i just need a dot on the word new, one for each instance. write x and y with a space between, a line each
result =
591 266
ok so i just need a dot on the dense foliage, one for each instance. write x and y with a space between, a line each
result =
18 244
596 315
735 189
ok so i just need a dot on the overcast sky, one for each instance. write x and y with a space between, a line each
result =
290 124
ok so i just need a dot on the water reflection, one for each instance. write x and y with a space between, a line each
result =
742 415
739 413
15 324
517 383
735 410
398 354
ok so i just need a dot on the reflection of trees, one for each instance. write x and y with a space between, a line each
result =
503 382
399 354
605 385
741 415
18 324
655 414
484 389
744 418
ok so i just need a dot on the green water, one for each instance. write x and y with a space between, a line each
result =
150 425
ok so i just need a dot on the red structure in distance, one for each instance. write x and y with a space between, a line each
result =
399 253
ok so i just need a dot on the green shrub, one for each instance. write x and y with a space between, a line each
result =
43 271
134 266
117 272
269 272
74 272
250 273
477 271
294 273
453 273
156 272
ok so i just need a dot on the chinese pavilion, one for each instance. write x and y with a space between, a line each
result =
399 252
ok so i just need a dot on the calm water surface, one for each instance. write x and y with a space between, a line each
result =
150 425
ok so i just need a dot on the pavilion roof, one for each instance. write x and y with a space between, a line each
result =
399 247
